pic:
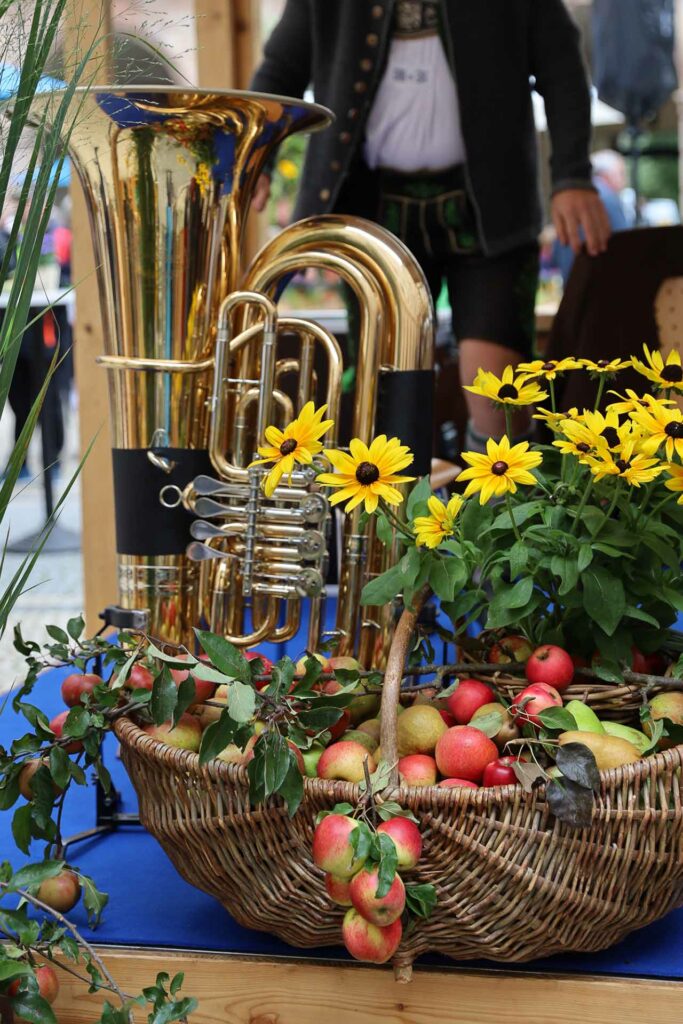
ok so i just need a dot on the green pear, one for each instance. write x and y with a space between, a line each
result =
608 751
585 718
369 742
639 740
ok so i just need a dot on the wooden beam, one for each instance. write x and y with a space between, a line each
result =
88 21
237 990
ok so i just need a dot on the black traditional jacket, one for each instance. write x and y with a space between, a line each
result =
496 47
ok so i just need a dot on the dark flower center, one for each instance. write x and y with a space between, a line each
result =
672 373
548 367
674 429
288 446
499 468
583 447
610 435
602 363
367 473
508 391
622 465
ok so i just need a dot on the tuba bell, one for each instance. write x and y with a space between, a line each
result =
199 362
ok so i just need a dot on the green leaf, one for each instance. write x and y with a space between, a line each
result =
390 809
13 969
187 692
515 596
34 874
557 719
603 598
216 737
566 568
585 557
241 701
521 513
57 634
292 788
177 983
94 901
387 865
421 899
224 656
518 557
570 803
384 530
274 751
384 588
419 495
490 724
447 577
577 762
75 627
29 1006
164 697
60 765
21 827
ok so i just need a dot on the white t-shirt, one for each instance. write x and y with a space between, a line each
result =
414 124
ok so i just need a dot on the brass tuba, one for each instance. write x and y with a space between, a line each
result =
197 369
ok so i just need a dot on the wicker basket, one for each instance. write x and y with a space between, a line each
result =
513 883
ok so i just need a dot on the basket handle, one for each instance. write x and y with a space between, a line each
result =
393 677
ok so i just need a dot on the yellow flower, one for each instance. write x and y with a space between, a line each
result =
368 474
631 402
431 530
579 440
288 169
676 481
508 389
554 419
297 443
602 425
661 426
605 365
500 470
628 463
665 375
548 368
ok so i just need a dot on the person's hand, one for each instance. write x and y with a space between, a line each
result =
580 214
261 193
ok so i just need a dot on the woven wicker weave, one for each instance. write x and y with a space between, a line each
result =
513 883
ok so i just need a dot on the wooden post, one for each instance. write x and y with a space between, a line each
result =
88 21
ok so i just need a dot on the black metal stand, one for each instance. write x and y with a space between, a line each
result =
108 817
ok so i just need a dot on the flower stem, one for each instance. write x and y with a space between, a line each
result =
610 510
508 422
515 528
656 509
582 504
601 388
551 388
395 521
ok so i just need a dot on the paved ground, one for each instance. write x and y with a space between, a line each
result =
56 588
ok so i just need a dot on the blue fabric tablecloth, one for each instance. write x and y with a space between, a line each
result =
150 905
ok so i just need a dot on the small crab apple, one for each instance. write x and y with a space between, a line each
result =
345 761
463 752
332 849
509 649
457 784
417 770
406 837
552 665
339 890
380 910
368 942
57 727
534 699
501 772
470 695
77 685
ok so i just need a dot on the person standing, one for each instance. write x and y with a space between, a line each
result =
435 139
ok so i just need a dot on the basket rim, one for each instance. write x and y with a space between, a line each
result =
130 734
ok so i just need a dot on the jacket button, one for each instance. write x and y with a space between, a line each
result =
352 114
372 39
325 194
335 165
360 87
377 11
366 64
345 137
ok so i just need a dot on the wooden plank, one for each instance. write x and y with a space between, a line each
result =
240 990
88 20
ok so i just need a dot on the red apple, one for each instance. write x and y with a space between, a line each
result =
78 684
406 837
501 772
457 784
253 740
552 665
369 942
186 735
48 984
139 678
380 910
336 731
417 770
26 775
528 704
332 849
266 668
339 890
62 892
448 718
57 726
203 689
510 648
470 695
344 761
463 752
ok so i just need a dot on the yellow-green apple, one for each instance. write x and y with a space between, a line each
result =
57 726
208 713
311 758
417 770
48 984
510 648
380 910
300 667
203 689
358 736
186 735
406 837
26 774
528 705
332 849
231 755
470 695
457 784
345 761
372 727
552 665
666 705
418 729
76 685
508 730
368 942
338 889
62 892
463 752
